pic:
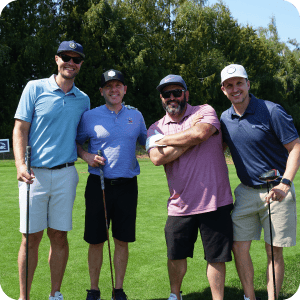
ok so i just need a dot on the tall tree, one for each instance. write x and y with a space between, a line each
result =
29 32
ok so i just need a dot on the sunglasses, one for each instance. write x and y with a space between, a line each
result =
66 58
176 93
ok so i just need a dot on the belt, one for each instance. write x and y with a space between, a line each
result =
117 181
264 186
57 167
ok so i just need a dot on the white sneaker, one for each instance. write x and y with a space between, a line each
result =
174 297
246 298
57 296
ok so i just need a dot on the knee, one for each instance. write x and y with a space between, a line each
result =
239 248
34 239
277 252
120 244
236 248
57 237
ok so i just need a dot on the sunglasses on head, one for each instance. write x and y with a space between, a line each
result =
176 93
66 58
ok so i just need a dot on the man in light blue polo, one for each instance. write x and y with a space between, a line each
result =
46 119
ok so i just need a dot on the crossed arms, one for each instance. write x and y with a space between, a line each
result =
172 146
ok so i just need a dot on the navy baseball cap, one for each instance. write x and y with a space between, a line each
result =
111 75
169 80
71 46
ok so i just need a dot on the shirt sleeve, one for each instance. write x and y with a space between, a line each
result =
154 129
82 133
209 115
143 132
283 125
26 105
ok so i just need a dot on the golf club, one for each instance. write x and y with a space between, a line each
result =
106 222
28 160
270 176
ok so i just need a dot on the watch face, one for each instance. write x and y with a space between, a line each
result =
286 181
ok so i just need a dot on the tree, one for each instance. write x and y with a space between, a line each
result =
29 32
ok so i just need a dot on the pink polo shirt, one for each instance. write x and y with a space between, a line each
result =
198 180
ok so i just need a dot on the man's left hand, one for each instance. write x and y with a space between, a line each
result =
278 193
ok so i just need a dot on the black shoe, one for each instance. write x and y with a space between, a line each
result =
93 295
119 295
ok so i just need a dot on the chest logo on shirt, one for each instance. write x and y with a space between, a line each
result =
130 121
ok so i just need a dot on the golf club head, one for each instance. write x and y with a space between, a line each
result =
270 175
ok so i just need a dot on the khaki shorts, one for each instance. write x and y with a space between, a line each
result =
250 215
51 200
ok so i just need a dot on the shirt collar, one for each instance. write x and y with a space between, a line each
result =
55 86
250 108
188 112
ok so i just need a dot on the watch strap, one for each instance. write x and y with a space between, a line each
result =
286 181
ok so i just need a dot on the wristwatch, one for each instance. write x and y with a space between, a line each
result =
286 181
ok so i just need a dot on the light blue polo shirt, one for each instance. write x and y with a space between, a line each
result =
116 136
54 117
256 139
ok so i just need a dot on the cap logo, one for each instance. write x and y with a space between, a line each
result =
168 79
231 70
72 45
111 73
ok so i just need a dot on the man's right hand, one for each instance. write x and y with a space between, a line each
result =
93 160
23 175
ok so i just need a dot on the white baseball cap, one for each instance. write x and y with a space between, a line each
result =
233 70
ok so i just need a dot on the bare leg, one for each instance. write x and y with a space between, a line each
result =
177 270
33 246
216 278
244 266
95 259
120 262
58 257
279 270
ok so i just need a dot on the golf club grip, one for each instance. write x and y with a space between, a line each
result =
99 152
28 158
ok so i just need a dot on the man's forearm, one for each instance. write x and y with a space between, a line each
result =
20 141
81 152
293 162
190 137
163 155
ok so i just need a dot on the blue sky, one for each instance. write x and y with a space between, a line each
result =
259 12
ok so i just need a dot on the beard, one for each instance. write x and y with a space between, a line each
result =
175 111
69 77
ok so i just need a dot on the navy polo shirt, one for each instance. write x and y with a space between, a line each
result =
256 139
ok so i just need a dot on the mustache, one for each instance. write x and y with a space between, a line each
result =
169 101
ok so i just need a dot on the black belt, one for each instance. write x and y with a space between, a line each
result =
57 167
117 181
264 186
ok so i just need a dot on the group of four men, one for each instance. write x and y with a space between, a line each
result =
55 119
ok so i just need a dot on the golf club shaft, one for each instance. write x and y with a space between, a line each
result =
28 160
272 251
106 223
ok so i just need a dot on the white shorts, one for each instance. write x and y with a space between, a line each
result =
51 199
250 215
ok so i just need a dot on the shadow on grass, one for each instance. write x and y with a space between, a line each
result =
230 293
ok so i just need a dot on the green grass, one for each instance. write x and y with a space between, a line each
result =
147 277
